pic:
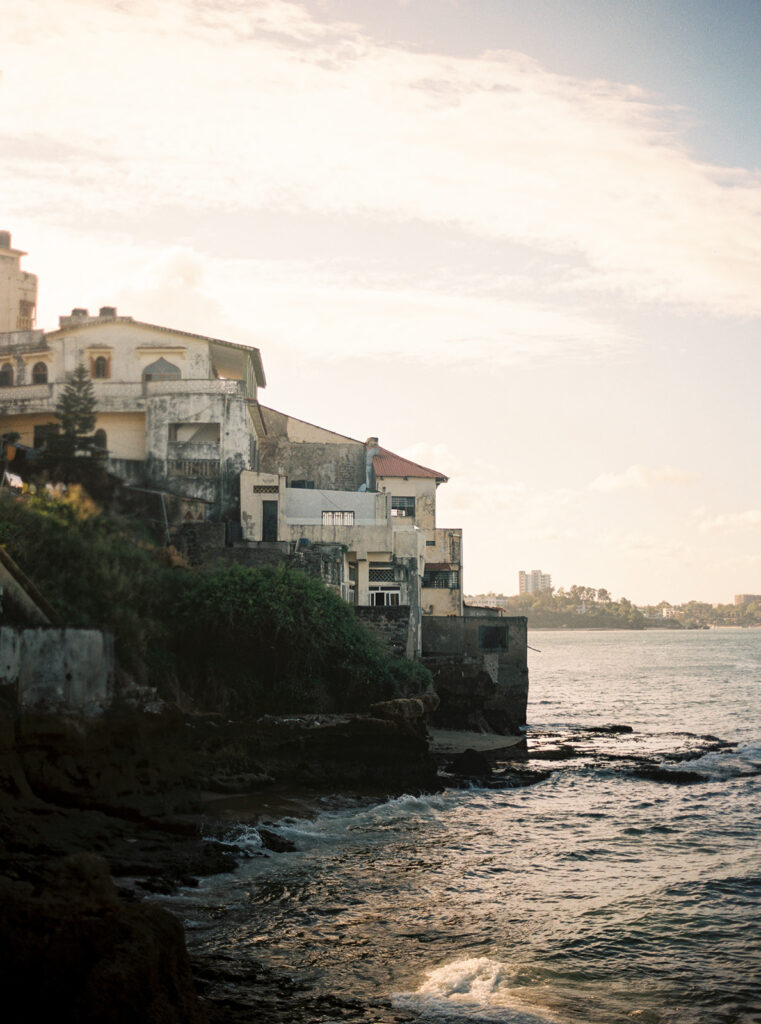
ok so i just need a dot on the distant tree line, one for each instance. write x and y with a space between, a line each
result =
592 608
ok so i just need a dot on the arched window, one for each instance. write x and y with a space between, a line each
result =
39 373
161 370
6 376
100 368
100 440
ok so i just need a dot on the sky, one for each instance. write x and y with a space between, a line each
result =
517 240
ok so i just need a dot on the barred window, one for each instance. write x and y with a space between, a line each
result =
6 376
383 573
403 506
338 518
442 579
39 373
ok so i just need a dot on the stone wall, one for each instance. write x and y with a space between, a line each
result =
391 625
71 667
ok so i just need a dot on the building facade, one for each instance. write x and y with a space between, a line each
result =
18 290
534 582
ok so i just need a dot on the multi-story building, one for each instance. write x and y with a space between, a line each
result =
314 486
18 290
534 582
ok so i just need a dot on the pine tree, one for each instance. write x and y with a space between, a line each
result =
75 410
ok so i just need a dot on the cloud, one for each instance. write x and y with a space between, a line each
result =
733 522
639 477
314 115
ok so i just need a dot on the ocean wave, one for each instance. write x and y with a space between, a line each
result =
474 989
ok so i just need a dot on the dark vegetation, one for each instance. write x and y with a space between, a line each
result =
238 640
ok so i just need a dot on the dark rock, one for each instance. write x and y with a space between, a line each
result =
73 952
272 841
470 764
609 729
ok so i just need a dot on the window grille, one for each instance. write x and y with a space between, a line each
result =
384 575
39 374
338 518
265 489
193 467
441 579
403 506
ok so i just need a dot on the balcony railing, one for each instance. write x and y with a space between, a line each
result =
209 468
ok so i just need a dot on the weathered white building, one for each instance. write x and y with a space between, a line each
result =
18 289
175 410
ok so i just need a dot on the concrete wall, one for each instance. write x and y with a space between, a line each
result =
480 685
71 667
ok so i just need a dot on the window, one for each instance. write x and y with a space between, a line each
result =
161 370
338 518
39 373
193 433
384 597
307 485
430 543
6 376
403 506
100 440
266 488
492 638
381 572
443 579
101 369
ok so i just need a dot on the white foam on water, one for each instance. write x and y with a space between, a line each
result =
244 837
720 765
477 988
329 826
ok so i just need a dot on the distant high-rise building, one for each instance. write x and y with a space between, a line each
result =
534 582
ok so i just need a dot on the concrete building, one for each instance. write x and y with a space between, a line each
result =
534 582
316 487
18 290
175 410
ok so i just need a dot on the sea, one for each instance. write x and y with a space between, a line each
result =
602 893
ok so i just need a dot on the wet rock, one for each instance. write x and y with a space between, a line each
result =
470 764
272 841
611 730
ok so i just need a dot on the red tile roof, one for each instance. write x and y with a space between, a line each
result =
385 463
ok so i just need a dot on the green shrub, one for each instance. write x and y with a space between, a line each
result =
249 641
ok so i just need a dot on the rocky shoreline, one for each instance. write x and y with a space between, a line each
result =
95 811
